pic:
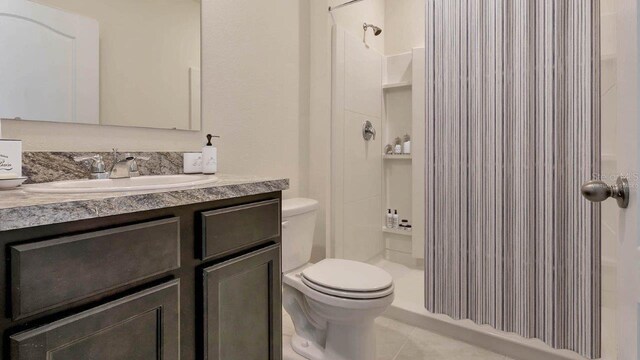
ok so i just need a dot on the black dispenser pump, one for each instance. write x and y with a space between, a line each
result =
209 137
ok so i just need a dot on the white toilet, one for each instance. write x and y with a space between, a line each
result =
333 304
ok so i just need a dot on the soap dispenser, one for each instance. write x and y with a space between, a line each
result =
210 156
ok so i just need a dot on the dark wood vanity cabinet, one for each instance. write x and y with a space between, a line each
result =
192 282
243 296
144 325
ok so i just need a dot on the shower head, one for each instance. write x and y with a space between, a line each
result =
376 30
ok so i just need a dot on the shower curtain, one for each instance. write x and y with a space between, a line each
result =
513 128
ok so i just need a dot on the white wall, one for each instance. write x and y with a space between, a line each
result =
252 88
405 22
320 124
251 76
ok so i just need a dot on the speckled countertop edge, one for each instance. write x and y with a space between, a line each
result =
20 209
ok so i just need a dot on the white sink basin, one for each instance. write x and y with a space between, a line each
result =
162 182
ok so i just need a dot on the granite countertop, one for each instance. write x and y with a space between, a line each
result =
20 209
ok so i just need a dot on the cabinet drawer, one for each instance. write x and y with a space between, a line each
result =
141 326
52 273
227 230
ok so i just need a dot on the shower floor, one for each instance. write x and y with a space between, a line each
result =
409 299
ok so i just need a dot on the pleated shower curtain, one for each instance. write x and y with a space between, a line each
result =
513 129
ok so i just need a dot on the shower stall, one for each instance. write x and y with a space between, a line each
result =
502 101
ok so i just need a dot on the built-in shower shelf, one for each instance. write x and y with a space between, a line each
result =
397 157
396 231
397 85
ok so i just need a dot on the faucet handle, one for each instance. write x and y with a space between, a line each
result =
133 164
143 158
88 157
98 169
115 154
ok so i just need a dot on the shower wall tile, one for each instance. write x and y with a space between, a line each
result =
363 78
363 238
356 163
513 129
363 166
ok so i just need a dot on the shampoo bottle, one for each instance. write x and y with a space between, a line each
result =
210 157
389 223
396 220
406 146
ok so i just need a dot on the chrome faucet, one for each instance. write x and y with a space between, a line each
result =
125 168
120 168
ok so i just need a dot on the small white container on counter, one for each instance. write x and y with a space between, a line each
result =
10 159
210 160
210 157
192 163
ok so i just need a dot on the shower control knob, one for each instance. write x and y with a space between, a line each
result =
598 191
368 131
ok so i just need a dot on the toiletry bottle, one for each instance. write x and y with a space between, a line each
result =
406 146
396 220
389 223
210 157
404 224
397 149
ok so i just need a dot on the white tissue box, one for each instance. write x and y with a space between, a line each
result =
10 158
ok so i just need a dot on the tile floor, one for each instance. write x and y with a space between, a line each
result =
398 341
409 296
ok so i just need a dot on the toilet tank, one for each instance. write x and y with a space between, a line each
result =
298 226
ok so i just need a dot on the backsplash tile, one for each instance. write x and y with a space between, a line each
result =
42 167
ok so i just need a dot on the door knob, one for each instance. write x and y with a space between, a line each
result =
598 191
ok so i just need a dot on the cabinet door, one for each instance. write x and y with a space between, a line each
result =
243 308
141 326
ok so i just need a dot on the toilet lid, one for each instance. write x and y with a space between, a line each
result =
348 278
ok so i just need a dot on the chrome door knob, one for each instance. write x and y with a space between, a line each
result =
598 191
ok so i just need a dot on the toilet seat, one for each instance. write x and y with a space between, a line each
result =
365 295
348 279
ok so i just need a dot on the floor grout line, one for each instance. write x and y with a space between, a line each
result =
406 341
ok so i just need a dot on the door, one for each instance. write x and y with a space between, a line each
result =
242 307
52 71
628 299
140 326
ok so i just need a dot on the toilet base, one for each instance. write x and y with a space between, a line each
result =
344 342
306 349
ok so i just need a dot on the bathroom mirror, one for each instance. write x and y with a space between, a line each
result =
110 62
